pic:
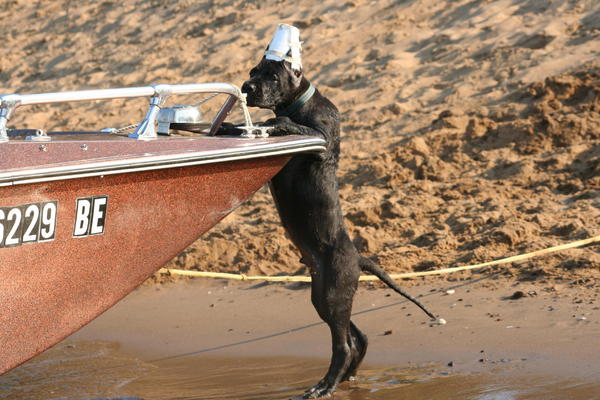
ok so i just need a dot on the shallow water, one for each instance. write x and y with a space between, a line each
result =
92 370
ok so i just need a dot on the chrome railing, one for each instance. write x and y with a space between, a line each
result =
158 94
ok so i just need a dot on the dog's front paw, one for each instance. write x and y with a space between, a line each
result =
279 126
277 121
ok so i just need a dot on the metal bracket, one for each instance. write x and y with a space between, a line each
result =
8 104
146 130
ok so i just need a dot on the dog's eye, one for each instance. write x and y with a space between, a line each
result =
276 77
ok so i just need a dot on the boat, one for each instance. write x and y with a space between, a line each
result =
86 217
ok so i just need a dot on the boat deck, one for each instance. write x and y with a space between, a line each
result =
75 154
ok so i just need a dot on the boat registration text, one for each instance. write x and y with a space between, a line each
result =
36 222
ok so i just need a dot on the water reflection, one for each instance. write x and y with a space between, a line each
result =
92 370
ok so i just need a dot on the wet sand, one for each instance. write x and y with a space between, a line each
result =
220 340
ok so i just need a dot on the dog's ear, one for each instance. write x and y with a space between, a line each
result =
295 74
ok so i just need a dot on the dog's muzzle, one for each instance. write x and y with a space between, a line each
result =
250 90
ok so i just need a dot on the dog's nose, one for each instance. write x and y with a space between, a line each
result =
248 87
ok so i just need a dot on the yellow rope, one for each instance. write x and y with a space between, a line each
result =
287 278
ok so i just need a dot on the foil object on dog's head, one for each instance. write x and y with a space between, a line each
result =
286 46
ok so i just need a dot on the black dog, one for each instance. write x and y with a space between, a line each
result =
306 195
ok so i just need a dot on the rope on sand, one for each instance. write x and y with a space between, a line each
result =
287 278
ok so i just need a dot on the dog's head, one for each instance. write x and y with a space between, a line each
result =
272 84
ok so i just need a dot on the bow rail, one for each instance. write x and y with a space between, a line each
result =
158 94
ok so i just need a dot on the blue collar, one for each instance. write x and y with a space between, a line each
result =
300 101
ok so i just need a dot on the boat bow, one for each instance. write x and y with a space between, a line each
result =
86 218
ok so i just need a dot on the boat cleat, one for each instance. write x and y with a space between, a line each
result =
252 132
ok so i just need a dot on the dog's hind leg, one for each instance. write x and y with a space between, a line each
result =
341 359
332 297
358 346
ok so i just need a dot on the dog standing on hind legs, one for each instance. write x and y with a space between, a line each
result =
306 195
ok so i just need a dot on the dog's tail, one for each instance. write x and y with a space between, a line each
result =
370 266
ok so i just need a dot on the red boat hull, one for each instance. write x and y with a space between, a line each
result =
50 289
